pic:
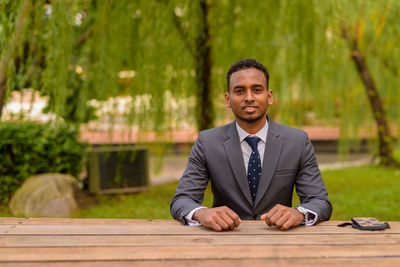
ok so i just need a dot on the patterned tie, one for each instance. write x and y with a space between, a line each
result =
254 167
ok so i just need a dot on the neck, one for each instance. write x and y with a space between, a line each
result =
252 127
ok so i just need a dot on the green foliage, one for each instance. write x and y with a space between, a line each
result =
28 148
75 51
362 191
153 204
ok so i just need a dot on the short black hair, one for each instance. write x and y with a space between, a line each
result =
246 64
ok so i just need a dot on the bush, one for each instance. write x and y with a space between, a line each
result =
28 148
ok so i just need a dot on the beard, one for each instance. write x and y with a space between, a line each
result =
250 119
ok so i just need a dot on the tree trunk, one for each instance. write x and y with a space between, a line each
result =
3 84
384 137
204 105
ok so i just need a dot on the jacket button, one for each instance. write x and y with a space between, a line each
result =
254 217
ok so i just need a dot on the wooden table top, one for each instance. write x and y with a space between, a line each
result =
116 242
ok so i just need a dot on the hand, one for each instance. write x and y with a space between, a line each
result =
218 219
283 217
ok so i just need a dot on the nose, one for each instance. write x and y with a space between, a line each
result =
249 96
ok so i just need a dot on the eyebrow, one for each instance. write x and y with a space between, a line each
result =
253 85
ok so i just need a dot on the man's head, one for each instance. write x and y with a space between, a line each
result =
246 64
248 95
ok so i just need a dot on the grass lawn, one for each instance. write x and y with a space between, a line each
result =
354 192
364 192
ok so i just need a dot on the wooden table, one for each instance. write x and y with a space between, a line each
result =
109 242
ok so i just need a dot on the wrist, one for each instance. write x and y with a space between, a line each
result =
197 214
303 212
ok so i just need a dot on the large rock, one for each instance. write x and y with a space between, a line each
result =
47 195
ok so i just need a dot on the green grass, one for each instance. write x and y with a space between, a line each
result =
153 204
354 192
364 192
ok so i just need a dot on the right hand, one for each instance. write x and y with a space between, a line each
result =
218 219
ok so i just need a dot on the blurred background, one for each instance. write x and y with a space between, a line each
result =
115 92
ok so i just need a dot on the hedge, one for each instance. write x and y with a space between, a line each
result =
29 148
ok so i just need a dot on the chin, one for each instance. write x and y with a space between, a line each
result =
251 119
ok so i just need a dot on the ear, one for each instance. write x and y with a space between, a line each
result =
270 97
227 101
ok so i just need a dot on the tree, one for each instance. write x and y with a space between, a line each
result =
165 51
360 60
10 50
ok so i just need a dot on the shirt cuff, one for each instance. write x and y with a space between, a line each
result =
189 217
308 219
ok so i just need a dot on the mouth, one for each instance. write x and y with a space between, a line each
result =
249 109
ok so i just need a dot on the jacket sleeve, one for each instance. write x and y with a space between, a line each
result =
309 184
190 190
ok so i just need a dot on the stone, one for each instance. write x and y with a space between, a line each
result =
46 195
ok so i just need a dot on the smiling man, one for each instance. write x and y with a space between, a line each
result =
253 163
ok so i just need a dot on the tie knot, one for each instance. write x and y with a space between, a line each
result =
252 141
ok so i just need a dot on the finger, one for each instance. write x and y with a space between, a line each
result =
282 220
228 220
221 222
287 225
215 226
269 215
266 219
273 211
233 216
275 217
212 224
290 222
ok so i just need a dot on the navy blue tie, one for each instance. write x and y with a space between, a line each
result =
254 167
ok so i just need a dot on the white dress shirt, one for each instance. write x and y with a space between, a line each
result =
246 151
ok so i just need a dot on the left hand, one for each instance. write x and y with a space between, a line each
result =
283 217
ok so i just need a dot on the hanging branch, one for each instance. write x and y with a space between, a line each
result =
12 50
384 136
200 48
83 37
184 35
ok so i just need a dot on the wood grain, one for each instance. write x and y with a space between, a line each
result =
21 241
166 228
114 242
216 252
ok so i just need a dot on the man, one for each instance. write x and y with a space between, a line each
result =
253 163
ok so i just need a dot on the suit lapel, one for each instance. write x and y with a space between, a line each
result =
234 153
272 152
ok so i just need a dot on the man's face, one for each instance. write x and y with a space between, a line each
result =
248 96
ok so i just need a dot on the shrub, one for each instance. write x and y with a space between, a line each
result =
28 148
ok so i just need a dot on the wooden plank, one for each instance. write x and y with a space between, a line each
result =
376 262
173 229
90 221
200 253
160 223
21 241
80 221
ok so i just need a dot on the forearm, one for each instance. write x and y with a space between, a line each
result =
310 186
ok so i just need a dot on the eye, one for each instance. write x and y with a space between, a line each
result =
258 90
238 91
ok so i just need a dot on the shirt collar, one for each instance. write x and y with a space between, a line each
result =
262 134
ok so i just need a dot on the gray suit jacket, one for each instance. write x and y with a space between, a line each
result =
289 160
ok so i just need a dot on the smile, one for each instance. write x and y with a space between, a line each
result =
249 108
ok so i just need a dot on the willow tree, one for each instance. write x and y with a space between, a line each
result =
370 45
14 30
335 59
71 51
180 50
